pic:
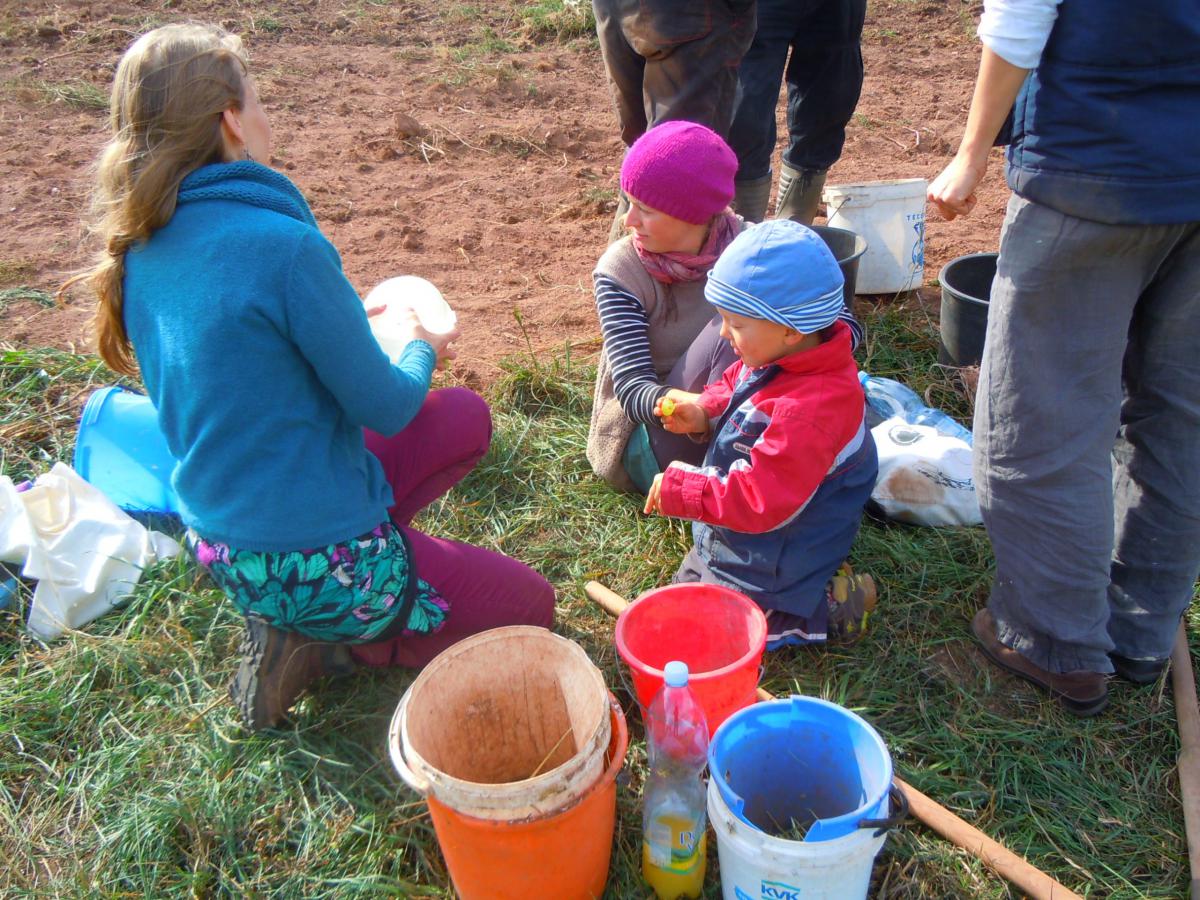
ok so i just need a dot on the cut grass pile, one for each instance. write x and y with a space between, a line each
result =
123 770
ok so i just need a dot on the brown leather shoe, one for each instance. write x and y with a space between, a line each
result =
1082 693
276 667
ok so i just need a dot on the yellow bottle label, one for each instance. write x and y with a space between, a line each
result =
674 856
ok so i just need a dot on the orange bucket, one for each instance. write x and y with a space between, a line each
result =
564 855
515 742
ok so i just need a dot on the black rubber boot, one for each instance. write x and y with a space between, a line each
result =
799 194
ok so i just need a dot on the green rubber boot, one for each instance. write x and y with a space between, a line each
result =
799 194
618 230
750 198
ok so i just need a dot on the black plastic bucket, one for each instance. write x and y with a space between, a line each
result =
966 292
847 248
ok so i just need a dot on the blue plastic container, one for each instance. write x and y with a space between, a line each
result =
801 760
121 450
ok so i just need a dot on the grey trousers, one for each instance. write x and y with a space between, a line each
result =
1087 436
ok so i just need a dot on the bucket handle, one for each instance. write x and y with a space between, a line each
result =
899 802
829 215
411 778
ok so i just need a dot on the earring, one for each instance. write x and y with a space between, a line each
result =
246 153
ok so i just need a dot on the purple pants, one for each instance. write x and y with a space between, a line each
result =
485 589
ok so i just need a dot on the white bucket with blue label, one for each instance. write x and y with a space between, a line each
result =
800 797
890 215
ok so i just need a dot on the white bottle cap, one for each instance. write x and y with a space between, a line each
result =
676 674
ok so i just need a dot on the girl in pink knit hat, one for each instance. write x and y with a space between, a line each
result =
659 332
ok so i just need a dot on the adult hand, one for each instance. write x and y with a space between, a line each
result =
953 191
654 496
440 342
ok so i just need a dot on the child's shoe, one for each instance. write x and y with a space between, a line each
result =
276 667
851 599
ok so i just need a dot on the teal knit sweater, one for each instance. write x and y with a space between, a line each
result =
256 352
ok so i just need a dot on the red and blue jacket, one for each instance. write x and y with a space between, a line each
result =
778 500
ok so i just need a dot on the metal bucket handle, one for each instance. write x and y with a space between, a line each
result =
899 801
396 749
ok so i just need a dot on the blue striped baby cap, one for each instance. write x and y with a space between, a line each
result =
779 271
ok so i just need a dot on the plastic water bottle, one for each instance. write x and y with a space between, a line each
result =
943 424
674 823
891 398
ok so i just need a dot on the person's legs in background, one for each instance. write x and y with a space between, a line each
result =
624 66
671 61
484 589
824 77
752 134
1156 481
1047 410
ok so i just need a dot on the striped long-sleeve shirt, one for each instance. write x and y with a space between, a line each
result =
626 332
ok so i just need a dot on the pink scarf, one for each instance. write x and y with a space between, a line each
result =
669 268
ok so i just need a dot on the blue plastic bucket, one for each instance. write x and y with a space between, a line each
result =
121 450
784 764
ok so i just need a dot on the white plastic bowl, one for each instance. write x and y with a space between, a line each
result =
399 295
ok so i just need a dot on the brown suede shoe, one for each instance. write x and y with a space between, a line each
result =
276 667
1082 693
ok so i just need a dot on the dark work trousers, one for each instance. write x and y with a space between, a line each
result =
824 79
673 59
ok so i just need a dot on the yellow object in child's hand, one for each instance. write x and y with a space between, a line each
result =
667 408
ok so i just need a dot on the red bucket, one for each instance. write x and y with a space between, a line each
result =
718 632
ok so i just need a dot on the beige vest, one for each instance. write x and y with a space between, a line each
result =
671 333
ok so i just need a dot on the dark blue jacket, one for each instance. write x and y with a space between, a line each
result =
1107 128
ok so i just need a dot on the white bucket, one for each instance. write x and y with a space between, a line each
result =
758 866
891 216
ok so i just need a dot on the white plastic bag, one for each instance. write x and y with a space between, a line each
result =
85 553
924 477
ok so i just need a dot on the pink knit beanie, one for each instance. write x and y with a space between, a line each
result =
682 169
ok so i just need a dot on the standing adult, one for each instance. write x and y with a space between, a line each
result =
824 75
671 60
1087 423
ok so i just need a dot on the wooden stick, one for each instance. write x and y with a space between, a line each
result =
1188 716
1033 881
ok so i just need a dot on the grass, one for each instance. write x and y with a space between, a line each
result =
559 20
78 94
12 295
123 770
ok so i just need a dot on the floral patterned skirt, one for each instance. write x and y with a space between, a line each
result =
355 592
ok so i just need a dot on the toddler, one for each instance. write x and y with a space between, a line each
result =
778 499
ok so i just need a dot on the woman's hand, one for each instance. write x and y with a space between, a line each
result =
654 496
440 342
953 191
680 413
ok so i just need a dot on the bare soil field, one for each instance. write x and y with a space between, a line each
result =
472 144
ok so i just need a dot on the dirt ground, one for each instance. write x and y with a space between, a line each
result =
448 141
